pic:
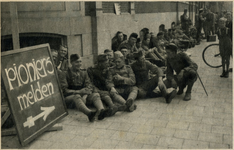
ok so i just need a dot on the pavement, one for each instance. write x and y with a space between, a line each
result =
204 122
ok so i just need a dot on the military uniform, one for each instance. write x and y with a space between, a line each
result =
98 78
77 80
131 50
62 63
185 23
181 62
146 85
115 45
126 87
201 19
210 23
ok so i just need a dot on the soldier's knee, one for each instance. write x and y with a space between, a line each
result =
94 96
76 96
154 79
141 93
134 88
193 74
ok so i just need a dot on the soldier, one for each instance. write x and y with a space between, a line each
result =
130 44
54 54
210 23
145 85
120 82
62 62
117 40
124 51
185 70
185 22
78 90
109 54
98 75
200 21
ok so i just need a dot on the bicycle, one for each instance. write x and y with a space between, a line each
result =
211 56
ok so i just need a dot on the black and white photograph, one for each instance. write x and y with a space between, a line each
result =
116 74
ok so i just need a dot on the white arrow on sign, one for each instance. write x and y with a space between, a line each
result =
31 120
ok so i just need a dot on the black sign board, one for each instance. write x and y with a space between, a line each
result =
33 90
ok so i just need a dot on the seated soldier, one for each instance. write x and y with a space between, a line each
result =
162 29
145 85
78 91
160 44
130 44
98 75
62 61
151 53
121 81
124 51
117 40
185 70
109 54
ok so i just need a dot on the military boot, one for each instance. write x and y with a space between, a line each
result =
91 116
168 95
187 96
223 74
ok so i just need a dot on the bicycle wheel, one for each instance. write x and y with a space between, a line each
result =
211 56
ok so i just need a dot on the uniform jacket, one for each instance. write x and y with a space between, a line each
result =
142 71
62 63
179 62
75 81
126 72
98 77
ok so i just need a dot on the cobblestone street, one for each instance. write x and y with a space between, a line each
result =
201 123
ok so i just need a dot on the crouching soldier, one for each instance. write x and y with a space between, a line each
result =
185 70
145 85
78 90
120 82
98 75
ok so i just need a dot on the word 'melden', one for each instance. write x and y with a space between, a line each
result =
26 74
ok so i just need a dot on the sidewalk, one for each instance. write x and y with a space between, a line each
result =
203 122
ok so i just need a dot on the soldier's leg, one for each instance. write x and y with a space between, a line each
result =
120 100
131 97
141 93
80 105
117 97
146 89
191 77
105 97
95 99
153 83
227 61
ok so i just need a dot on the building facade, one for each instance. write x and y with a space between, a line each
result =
85 27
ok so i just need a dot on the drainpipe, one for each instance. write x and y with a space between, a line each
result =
14 25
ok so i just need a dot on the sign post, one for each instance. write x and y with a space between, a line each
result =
35 97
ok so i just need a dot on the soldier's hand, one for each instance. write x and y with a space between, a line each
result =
180 75
85 91
117 77
84 98
160 84
113 91
173 83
